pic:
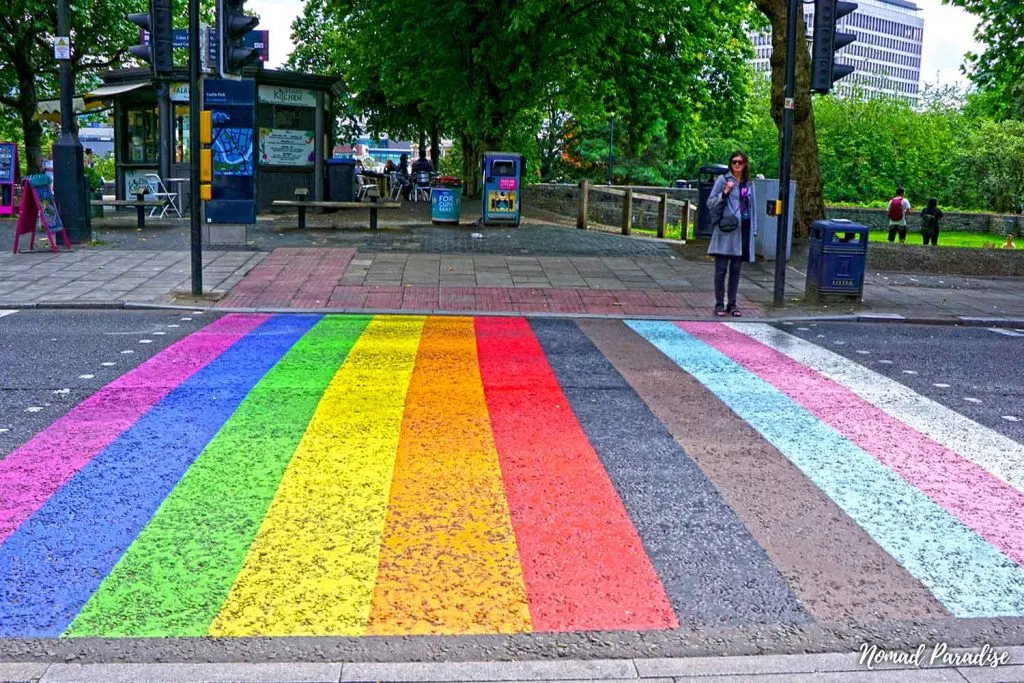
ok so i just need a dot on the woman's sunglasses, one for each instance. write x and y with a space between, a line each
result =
737 162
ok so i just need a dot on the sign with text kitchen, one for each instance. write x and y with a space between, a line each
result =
292 97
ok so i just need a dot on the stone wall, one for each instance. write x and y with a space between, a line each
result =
878 219
916 258
606 208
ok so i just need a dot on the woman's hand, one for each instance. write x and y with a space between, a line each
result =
728 186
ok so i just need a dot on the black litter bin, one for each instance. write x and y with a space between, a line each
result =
836 259
341 176
706 178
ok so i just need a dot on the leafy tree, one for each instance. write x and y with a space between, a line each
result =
480 72
1000 67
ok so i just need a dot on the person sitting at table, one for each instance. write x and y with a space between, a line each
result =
390 167
403 176
422 164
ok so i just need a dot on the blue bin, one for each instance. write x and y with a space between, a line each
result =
837 259
445 203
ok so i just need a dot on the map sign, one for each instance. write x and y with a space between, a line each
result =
280 147
8 162
232 105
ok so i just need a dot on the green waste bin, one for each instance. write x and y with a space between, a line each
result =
445 200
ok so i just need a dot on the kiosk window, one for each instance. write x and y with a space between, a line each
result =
143 136
286 118
181 134
503 167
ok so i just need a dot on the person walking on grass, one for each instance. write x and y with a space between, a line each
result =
732 204
930 217
899 207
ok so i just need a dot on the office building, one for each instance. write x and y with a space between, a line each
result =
886 55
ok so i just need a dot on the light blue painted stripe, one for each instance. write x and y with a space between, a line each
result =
964 572
57 558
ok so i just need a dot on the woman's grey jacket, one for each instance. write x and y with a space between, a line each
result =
731 243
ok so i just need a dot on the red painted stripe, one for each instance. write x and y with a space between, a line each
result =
583 562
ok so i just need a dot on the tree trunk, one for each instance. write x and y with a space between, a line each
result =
435 146
27 103
472 163
810 203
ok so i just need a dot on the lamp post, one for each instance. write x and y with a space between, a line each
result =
611 140
195 210
70 185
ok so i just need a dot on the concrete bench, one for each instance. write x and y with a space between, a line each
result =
301 204
140 205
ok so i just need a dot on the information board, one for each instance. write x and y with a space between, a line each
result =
233 112
39 207
8 176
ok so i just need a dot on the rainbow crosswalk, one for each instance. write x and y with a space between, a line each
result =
400 475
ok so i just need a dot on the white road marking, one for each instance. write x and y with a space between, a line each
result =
940 385
33 409
972 400
86 376
4 430
62 392
127 351
985 447
1008 333
863 352
1011 418
804 329
175 325
886 362
186 319
108 364
7 312
145 341
159 333
910 372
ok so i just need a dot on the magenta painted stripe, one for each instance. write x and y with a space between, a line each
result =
983 503
33 472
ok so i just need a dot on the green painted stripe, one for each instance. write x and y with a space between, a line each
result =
177 573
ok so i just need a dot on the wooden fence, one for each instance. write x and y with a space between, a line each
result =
627 207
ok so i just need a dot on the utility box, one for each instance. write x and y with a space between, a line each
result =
767 190
837 259
502 188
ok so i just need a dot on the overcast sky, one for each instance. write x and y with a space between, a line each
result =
948 34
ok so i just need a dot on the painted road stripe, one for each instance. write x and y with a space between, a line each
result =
584 563
712 569
193 548
985 447
835 568
448 561
312 566
59 556
33 472
968 576
985 504
7 312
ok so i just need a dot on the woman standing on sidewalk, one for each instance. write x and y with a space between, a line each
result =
732 241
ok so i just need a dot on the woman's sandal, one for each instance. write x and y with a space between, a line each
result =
720 313
735 313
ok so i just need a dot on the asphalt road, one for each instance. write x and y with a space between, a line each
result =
502 488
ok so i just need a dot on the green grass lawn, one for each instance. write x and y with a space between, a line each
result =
974 240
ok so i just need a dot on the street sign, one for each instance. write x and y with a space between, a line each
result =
61 47
259 40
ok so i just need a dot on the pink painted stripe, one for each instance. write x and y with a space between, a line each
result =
34 472
983 503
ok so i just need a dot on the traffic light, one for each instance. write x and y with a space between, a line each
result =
232 26
824 70
159 25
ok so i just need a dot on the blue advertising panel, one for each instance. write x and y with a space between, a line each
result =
233 109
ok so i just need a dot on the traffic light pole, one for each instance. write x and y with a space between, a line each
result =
195 211
69 183
793 10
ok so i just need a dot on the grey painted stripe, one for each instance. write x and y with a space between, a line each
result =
186 673
712 569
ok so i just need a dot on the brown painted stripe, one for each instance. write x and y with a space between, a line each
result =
834 567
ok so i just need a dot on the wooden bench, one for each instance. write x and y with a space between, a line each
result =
140 205
301 203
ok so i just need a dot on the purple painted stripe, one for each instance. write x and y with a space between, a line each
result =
983 503
32 473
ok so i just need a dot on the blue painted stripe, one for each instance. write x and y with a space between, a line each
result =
964 572
54 562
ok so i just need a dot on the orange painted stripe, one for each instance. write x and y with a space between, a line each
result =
584 563
448 562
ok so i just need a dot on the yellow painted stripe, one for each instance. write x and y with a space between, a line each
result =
311 568
449 563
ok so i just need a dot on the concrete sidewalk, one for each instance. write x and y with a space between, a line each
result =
660 284
810 668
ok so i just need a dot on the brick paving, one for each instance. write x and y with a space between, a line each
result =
341 279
